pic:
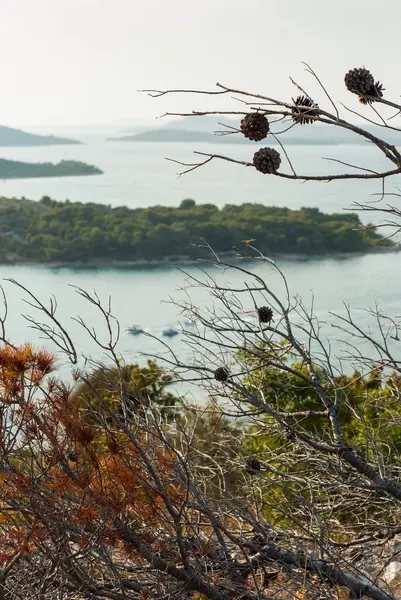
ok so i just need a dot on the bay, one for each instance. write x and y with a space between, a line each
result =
136 175
141 296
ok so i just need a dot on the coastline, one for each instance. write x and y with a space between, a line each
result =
179 261
15 169
56 176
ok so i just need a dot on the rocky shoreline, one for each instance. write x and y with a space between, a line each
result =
179 261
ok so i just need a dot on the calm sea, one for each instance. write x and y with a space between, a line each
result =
136 175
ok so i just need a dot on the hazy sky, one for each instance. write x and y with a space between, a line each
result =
82 61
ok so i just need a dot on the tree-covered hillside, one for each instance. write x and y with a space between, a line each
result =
51 231
12 169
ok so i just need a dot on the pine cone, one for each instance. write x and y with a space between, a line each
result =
265 314
253 466
305 110
255 126
361 82
266 160
221 374
290 436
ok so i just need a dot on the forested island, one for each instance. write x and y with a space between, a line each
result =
70 233
178 135
94 234
12 169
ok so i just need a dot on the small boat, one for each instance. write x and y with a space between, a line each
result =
135 330
170 332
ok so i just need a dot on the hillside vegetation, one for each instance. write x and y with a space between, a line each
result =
51 231
12 169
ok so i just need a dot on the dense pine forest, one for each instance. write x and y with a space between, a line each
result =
72 232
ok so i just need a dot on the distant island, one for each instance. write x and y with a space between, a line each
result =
67 233
17 137
201 129
12 169
178 135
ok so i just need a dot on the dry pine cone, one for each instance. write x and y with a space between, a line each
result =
253 466
305 110
361 82
221 374
255 126
265 314
266 160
